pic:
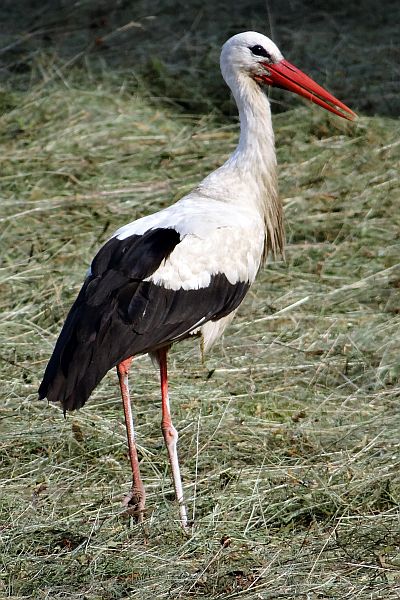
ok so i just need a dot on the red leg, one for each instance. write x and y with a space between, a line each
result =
171 437
137 497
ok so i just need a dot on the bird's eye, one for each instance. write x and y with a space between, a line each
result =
260 51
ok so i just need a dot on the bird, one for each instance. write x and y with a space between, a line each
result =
184 270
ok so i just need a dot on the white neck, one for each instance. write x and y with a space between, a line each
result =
254 160
256 148
248 177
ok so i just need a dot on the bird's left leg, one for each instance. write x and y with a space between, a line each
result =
137 497
171 437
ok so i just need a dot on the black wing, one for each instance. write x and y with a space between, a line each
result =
117 314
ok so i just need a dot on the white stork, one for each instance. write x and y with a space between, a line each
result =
185 269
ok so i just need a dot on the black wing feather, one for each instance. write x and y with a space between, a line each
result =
117 314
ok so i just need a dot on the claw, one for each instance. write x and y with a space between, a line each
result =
134 502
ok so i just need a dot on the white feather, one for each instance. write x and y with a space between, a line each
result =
214 239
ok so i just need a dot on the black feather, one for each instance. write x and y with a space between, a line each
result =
117 315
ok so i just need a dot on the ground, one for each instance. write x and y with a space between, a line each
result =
289 430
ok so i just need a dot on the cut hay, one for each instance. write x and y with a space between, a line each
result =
289 432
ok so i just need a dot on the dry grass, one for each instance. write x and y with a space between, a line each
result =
290 430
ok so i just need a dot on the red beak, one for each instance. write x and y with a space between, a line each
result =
285 75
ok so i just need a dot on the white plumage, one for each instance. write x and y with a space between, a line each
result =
214 239
185 269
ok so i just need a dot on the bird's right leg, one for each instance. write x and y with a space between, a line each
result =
137 497
171 437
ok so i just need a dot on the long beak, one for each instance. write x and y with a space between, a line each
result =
285 75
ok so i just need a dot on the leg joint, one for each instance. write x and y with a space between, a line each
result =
169 432
123 367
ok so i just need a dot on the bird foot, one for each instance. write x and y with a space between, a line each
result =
134 503
187 528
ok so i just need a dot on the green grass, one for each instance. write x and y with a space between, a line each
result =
289 432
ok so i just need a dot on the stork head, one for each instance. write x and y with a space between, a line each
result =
256 56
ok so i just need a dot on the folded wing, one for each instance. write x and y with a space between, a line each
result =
144 291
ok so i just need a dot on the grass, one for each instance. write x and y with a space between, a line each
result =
289 432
